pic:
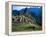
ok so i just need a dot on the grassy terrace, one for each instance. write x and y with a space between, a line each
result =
25 27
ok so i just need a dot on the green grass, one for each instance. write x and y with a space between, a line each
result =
24 27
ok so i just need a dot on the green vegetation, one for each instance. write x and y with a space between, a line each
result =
25 27
26 24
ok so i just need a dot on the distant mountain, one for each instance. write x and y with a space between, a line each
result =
27 11
30 11
15 12
18 12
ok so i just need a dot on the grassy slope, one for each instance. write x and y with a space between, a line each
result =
25 27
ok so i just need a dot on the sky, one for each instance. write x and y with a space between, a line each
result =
18 7
21 7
